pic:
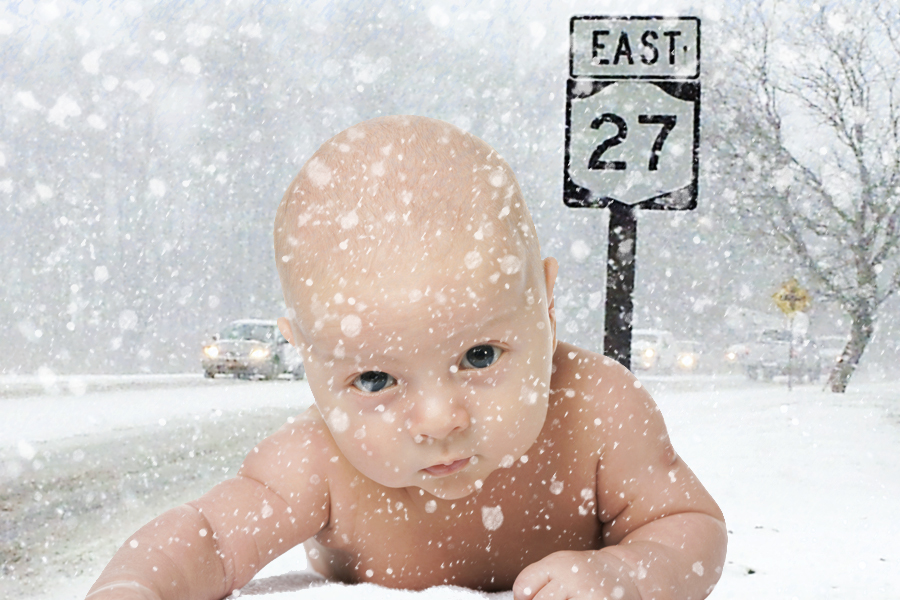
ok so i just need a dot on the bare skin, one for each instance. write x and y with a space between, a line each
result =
549 504
453 440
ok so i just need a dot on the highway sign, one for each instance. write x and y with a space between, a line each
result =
633 112
632 137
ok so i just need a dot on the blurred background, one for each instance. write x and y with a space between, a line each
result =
145 145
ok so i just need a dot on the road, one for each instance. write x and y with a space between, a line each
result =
80 472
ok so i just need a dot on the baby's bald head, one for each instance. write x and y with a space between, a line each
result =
397 194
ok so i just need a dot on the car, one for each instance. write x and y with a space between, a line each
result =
688 355
777 352
251 348
653 350
735 354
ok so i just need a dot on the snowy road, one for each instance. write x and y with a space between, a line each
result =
809 481
80 471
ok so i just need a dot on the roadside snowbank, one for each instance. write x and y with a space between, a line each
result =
809 483
129 403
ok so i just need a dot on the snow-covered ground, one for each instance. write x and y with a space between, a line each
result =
124 402
809 480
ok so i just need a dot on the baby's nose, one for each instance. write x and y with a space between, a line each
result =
437 414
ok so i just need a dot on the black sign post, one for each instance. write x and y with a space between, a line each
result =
620 252
632 137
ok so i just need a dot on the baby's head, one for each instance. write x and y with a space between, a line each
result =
418 298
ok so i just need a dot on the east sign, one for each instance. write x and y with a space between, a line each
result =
633 112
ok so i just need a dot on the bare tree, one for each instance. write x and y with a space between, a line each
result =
807 139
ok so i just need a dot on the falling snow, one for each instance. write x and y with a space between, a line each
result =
492 517
338 420
145 147
351 325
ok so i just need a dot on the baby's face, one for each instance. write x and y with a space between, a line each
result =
432 379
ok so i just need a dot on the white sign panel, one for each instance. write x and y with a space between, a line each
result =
635 48
633 112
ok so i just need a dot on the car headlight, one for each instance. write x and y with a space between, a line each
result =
686 360
649 353
259 353
211 351
731 356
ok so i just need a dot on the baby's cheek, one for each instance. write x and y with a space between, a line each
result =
529 394
475 400
391 463
369 449
337 419
381 439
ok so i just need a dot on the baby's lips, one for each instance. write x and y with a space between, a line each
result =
441 470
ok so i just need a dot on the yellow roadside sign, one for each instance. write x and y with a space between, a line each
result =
791 297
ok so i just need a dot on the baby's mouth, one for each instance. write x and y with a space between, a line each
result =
441 470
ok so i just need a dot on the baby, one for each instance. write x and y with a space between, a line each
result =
453 439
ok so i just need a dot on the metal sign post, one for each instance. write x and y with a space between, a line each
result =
632 137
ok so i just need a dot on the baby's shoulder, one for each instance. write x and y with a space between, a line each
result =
300 450
594 395
569 359
590 376
305 432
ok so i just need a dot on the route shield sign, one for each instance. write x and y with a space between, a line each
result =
633 112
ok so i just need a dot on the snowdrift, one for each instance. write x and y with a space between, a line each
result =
302 585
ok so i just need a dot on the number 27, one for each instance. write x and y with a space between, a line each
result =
598 164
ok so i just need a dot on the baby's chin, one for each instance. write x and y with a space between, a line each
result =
452 488
448 488
448 492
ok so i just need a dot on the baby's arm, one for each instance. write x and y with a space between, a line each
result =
211 546
663 534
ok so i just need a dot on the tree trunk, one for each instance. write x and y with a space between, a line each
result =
861 331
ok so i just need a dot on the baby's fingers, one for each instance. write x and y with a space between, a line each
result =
530 581
588 575
122 590
537 581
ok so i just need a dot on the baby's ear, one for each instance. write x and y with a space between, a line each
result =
285 327
551 269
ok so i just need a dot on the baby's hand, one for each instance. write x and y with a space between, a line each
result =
588 575
125 590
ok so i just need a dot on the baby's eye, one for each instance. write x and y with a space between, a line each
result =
373 381
481 357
